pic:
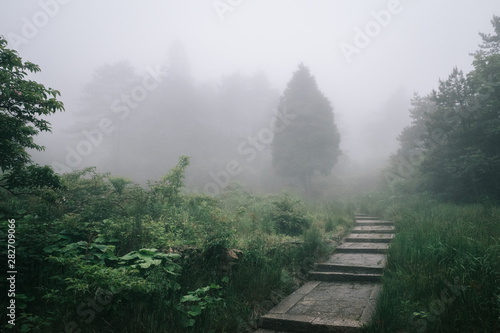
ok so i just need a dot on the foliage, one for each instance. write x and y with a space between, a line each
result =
329 225
201 300
308 140
491 43
23 103
443 272
403 171
288 216
168 189
313 241
451 148
105 254
464 164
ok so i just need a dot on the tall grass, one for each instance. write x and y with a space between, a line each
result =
443 272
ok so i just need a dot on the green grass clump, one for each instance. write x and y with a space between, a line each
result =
289 217
443 272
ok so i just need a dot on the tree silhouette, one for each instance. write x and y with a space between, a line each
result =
307 141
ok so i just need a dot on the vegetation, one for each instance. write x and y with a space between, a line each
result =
99 253
22 103
105 254
308 140
288 216
452 147
443 272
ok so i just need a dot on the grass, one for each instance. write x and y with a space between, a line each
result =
443 272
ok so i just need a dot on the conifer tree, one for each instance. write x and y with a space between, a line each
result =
309 143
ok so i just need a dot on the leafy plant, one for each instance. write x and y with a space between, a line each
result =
144 258
289 217
200 300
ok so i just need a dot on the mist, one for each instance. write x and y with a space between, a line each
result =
144 83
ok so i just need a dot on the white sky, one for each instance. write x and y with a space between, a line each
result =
420 44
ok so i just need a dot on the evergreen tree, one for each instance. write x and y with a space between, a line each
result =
108 96
404 164
457 135
308 140
465 165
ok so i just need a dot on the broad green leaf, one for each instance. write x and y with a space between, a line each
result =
190 298
194 311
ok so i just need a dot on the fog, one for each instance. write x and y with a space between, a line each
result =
210 74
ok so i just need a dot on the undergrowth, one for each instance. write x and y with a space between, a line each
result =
443 272
106 255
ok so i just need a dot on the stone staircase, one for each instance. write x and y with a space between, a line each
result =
341 293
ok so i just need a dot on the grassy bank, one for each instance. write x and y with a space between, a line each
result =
443 273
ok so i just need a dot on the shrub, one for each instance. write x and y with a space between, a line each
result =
289 217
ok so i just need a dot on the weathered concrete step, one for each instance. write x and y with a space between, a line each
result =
373 223
377 260
368 229
364 217
338 268
323 307
370 238
308 324
357 247
343 295
340 276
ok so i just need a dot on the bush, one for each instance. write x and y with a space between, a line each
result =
289 217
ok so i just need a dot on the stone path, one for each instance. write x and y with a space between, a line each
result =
341 293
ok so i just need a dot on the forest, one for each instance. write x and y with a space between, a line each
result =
146 221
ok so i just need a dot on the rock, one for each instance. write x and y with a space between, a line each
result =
234 254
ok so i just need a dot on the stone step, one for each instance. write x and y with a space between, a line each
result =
370 238
358 247
308 324
348 277
323 307
366 218
339 268
377 260
342 295
359 223
381 229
